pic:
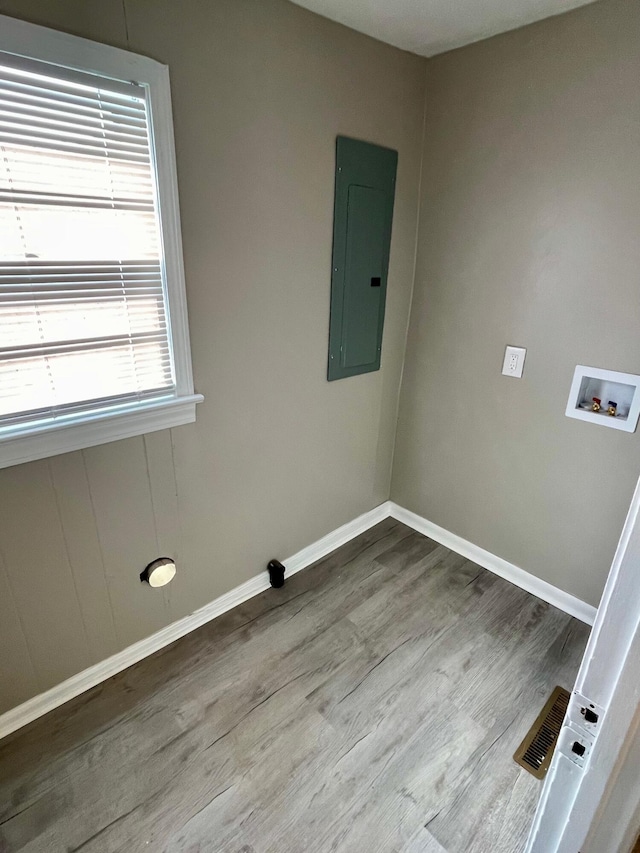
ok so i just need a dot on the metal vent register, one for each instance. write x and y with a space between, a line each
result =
536 750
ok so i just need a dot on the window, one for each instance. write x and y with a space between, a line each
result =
93 326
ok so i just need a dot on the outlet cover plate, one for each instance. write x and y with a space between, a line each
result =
513 363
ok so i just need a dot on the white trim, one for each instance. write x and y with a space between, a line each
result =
337 538
29 711
164 157
36 42
77 684
575 799
21 38
536 586
99 429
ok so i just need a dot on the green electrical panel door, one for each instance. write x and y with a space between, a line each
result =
363 213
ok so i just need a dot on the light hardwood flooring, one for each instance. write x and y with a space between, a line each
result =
372 705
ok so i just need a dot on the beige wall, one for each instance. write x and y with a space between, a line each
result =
278 456
529 235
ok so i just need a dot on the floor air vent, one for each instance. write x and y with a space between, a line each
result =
536 750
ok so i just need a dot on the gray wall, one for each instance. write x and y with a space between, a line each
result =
529 235
278 456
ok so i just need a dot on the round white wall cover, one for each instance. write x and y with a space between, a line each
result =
160 572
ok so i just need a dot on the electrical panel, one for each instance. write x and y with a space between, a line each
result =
363 213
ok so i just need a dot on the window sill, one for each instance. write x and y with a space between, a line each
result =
51 440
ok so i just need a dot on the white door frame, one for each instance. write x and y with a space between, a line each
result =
616 825
578 787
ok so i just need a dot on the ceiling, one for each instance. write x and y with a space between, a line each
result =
428 27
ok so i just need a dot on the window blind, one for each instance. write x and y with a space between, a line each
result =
83 319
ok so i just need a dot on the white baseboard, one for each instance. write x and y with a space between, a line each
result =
337 538
23 714
546 591
88 678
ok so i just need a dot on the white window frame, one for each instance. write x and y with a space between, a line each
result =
75 432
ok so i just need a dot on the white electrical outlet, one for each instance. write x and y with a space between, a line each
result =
513 362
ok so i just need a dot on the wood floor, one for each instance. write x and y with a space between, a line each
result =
372 705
